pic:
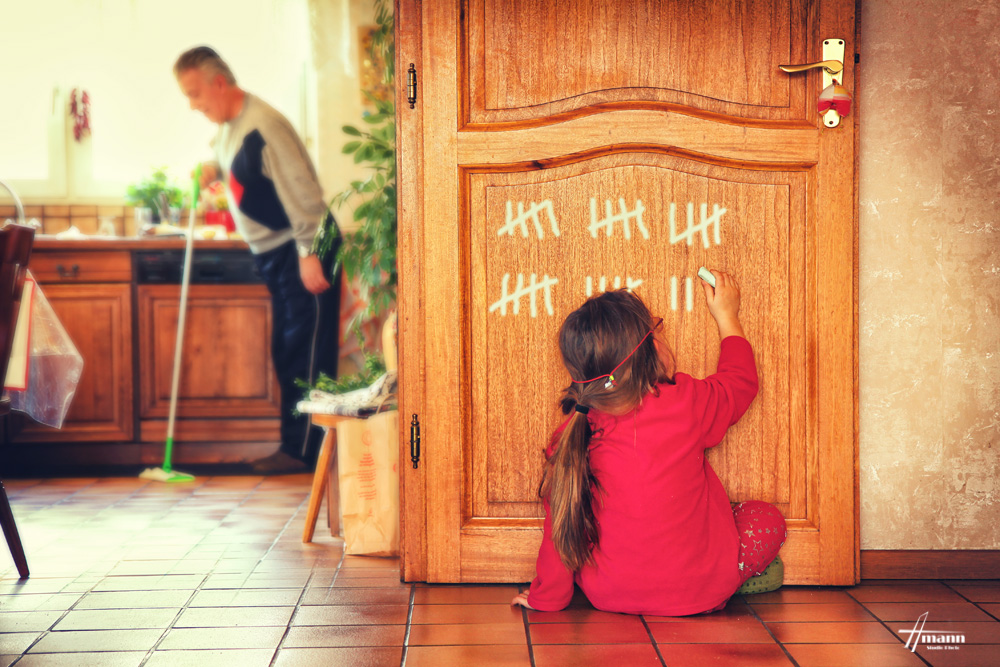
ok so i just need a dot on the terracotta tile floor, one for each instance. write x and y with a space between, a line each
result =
127 572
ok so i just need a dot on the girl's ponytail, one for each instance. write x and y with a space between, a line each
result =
569 485
610 336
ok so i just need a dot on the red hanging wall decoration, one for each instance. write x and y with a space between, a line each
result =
80 111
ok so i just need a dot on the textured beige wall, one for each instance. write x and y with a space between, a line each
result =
930 274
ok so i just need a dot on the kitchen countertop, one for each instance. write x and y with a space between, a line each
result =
46 242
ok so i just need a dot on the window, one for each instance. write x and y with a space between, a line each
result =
122 53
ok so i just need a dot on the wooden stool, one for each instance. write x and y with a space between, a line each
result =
325 478
326 475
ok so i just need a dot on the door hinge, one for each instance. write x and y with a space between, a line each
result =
415 441
411 90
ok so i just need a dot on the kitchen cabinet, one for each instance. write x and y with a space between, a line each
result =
92 296
125 328
226 371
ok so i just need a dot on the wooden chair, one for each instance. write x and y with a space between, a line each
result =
15 249
326 478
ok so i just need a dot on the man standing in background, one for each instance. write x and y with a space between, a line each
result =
277 205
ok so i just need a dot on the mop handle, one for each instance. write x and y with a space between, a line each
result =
182 314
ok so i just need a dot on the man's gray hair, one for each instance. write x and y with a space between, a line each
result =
206 59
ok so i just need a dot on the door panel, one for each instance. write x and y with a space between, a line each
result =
529 60
563 165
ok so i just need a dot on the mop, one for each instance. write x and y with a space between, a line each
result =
166 473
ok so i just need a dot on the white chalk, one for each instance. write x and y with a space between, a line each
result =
707 276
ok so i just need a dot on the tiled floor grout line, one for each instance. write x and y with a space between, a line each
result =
206 577
295 612
652 639
527 630
768 630
978 605
177 617
886 626
406 632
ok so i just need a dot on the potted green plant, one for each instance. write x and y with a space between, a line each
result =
157 193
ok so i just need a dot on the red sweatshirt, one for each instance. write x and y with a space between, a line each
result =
668 540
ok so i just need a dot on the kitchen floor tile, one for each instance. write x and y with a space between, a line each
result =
117 619
348 596
465 656
358 614
980 655
465 595
234 617
832 633
623 632
439 614
28 621
814 613
344 635
38 602
979 593
133 600
725 655
721 632
86 641
800 595
17 642
207 658
353 656
855 655
937 611
466 634
924 592
595 655
222 638
105 659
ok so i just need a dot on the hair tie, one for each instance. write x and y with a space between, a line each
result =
582 409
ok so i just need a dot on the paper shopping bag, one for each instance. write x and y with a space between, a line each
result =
368 463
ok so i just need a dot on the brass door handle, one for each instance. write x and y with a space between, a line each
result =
833 77
830 66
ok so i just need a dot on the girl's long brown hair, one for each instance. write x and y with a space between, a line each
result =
594 339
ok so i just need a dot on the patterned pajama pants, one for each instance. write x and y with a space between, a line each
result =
762 533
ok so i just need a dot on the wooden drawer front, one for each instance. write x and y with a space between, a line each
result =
111 266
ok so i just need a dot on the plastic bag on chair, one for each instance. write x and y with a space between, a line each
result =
54 367
368 464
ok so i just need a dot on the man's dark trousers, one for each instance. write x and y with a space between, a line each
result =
305 340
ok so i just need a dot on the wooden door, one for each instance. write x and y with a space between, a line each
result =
557 149
98 319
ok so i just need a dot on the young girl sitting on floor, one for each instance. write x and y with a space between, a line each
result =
634 514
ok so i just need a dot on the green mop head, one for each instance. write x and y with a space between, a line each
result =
161 475
167 472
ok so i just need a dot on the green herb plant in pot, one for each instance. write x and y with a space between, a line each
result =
157 193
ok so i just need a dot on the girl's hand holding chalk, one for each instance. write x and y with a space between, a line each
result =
723 296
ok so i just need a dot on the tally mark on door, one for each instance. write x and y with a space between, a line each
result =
531 291
522 217
692 229
602 284
610 218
